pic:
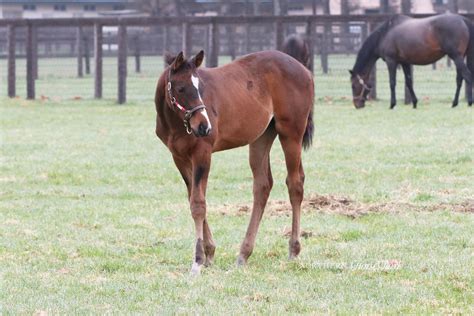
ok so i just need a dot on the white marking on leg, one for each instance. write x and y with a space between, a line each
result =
196 269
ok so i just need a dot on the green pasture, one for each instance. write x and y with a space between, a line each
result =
94 218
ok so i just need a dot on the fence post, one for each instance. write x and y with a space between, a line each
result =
278 34
373 73
213 57
345 10
406 9
326 36
310 38
137 54
11 62
79 45
30 76
165 29
247 38
230 32
35 52
186 39
122 64
206 43
87 55
98 41
324 51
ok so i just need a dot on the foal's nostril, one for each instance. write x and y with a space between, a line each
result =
203 130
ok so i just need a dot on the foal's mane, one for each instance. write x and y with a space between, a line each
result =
369 48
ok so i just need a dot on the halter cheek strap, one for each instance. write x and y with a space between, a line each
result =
187 113
365 87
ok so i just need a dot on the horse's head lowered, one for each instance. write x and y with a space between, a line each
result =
183 95
360 89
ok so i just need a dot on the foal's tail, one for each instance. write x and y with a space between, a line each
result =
470 47
308 133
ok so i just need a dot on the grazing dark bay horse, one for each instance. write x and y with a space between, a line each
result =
407 41
298 48
249 101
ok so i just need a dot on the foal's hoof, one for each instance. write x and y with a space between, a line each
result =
294 249
195 269
292 257
209 261
209 251
455 104
241 261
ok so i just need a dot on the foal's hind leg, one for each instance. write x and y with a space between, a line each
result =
292 148
262 185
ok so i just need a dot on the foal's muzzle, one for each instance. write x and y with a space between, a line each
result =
203 130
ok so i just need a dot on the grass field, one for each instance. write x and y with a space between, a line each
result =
94 218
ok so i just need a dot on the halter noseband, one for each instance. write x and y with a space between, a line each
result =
187 113
365 87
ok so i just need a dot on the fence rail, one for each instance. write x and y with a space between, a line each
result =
25 31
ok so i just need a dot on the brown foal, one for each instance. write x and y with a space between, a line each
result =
249 101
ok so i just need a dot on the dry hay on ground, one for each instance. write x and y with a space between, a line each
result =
346 206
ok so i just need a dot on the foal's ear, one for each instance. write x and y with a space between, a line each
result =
178 61
197 60
351 72
169 58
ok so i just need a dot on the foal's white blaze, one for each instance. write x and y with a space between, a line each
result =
195 81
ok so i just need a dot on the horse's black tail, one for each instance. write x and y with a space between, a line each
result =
308 133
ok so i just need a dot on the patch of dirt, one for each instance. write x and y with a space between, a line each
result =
466 206
346 206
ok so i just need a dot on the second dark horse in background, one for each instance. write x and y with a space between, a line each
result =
408 41
298 48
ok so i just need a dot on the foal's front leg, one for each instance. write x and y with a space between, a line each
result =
185 168
201 162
